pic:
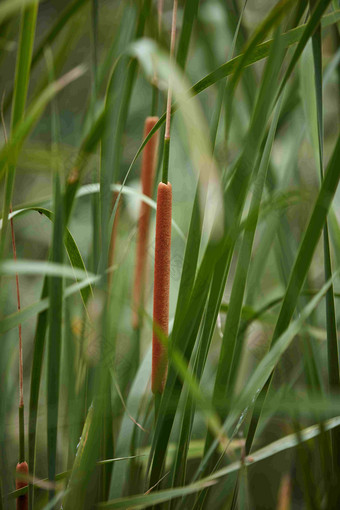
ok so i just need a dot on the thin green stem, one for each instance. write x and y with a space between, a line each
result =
166 153
21 434
154 103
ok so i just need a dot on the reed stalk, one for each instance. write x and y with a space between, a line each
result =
163 251
20 483
147 178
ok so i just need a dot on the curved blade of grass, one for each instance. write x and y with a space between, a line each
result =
230 351
70 10
287 442
258 53
21 80
237 188
9 7
258 380
262 108
33 114
70 244
189 16
311 26
120 472
117 104
332 338
39 339
304 257
126 190
261 51
35 267
187 281
11 321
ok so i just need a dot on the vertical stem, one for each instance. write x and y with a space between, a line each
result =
166 152
168 105
155 93
21 383
21 434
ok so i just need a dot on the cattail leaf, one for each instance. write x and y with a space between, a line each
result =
331 323
189 16
21 81
12 321
117 104
306 251
290 441
139 386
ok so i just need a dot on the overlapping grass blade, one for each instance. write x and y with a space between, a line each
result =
189 16
12 321
304 256
56 301
21 81
70 10
117 104
332 338
33 114
120 471
259 52
216 254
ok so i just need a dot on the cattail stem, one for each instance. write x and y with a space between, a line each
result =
154 104
161 287
168 104
21 376
155 92
22 471
147 178
162 252
21 434
166 151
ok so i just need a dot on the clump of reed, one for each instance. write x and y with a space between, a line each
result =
147 181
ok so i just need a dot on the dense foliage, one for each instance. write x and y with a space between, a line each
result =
243 410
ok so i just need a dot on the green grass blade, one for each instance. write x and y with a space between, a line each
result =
332 338
32 116
120 471
305 253
311 26
260 52
258 380
231 351
189 16
117 104
36 371
52 34
10 7
11 321
214 255
22 75
56 304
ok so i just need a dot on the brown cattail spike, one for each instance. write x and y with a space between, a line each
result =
161 286
22 471
147 178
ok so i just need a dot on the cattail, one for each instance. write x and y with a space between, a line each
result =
163 251
22 472
147 178
161 286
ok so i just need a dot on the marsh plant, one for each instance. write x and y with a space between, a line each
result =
169 254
